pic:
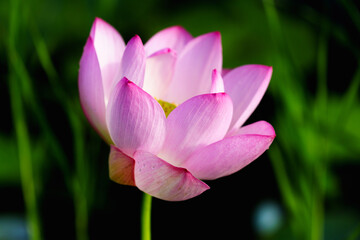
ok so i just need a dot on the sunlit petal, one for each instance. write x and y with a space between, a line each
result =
231 154
135 119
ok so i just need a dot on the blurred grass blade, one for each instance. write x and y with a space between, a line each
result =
48 66
318 171
355 234
43 52
24 155
317 204
27 90
81 185
22 135
322 94
351 96
283 82
25 160
303 196
282 178
353 11
80 181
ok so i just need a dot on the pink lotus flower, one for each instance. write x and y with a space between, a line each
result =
202 138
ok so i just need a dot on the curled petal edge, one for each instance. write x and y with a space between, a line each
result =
231 154
121 167
163 180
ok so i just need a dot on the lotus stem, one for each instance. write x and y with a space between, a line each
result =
146 217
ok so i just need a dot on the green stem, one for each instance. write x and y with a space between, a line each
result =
146 217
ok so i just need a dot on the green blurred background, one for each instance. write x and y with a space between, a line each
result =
53 167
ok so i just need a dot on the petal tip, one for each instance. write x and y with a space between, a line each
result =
96 24
127 83
97 19
205 187
268 69
222 96
164 51
217 84
178 27
216 35
182 31
214 72
89 45
270 129
136 38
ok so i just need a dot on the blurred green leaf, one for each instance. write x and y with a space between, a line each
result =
9 163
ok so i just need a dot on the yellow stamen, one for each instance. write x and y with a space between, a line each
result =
168 107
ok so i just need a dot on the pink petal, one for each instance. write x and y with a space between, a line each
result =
133 62
232 153
121 167
200 121
194 68
260 128
174 37
135 119
246 86
91 90
225 71
159 72
162 180
217 84
109 47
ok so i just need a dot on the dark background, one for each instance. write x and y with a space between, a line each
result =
310 174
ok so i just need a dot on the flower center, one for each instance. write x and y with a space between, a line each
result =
168 107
